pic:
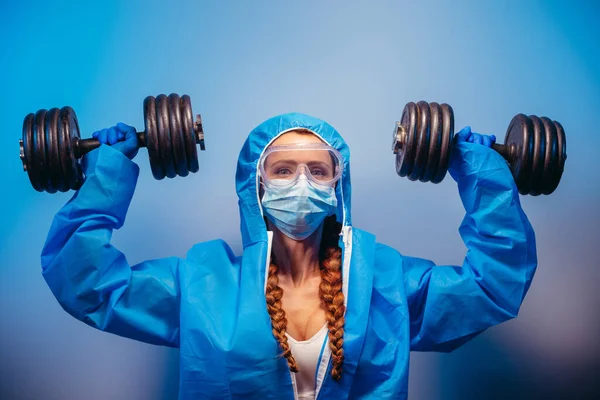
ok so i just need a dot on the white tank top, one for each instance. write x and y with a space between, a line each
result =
307 354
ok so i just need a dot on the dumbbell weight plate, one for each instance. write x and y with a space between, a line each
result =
435 142
48 138
170 135
189 136
405 155
152 143
421 144
447 134
28 153
518 136
433 145
39 150
555 173
68 135
179 154
164 135
538 152
562 156
554 159
53 167
538 155
427 131
550 153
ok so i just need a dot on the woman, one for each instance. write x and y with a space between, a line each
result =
313 307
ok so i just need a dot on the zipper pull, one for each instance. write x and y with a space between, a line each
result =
348 236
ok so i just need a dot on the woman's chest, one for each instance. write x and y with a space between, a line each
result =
304 312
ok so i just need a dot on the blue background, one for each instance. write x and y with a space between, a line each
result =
354 64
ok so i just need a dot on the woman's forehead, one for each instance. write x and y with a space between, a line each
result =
299 156
296 137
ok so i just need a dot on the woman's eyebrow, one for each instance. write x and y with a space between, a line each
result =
293 161
290 160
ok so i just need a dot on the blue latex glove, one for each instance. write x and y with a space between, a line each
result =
466 135
121 137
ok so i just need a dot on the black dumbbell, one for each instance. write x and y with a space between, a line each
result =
51 145
535 148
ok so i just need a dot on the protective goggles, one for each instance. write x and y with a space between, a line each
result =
283 165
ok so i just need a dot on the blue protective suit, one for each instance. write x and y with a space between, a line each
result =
211 304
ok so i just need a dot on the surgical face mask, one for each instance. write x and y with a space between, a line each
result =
297 210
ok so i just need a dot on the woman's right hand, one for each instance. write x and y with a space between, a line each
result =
466 135
121 137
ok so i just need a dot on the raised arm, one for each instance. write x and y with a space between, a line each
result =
450 304
89 277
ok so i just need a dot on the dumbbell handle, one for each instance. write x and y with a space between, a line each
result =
84 146
400 139
505 151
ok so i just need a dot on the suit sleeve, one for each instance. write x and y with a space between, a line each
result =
90 278
449 305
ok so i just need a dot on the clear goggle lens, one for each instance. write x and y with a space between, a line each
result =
282 165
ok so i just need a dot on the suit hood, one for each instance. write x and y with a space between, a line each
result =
247 178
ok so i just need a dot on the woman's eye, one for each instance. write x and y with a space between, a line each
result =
283 171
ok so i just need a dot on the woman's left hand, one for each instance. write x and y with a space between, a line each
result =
466 135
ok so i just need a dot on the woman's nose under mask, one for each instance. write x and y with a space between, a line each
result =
297 210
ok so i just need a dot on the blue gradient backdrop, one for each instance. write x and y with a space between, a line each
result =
354 65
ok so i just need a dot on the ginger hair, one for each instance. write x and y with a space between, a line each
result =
330 291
